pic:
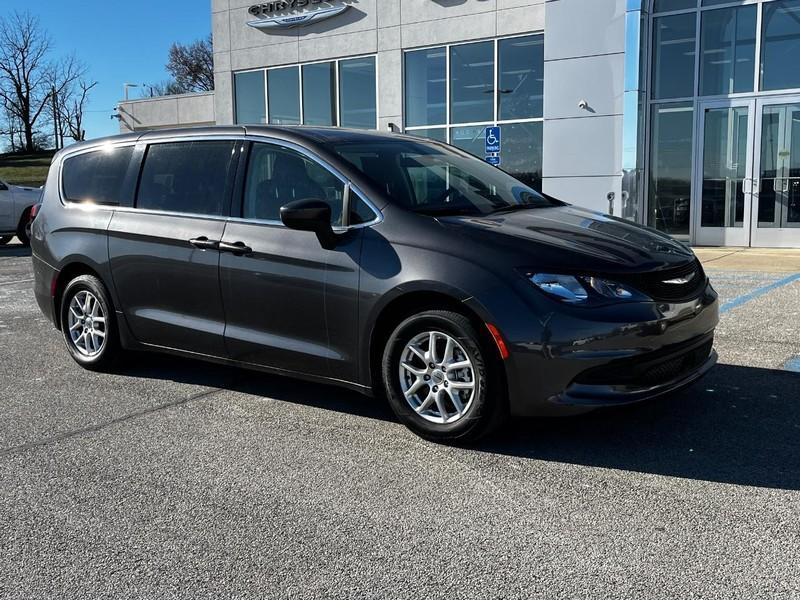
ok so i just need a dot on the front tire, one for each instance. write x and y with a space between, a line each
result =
440 380
88 324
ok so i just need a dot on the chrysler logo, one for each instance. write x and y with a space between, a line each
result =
295 20
680 280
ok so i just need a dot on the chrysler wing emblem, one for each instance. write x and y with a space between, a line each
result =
680 280
298 20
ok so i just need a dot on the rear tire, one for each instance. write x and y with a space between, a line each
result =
441 381
23 230
88 323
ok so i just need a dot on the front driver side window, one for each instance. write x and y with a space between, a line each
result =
277 176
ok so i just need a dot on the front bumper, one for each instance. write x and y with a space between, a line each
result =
638 380
588 358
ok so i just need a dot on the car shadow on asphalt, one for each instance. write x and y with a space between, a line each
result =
738 425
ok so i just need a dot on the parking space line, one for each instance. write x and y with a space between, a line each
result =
758 292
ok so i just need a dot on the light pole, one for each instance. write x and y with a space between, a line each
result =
126 87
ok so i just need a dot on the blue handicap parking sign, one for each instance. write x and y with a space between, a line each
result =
494 159
492 140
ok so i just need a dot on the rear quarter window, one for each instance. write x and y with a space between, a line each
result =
96 176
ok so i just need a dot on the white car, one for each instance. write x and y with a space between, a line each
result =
16 203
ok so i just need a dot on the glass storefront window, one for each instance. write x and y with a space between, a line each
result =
251 105
426 87
671 167
727 50
516 106
439 134
472 82
780 45
673 56
471 139
357 93
319 94
521 77
283 92
522 152
668 5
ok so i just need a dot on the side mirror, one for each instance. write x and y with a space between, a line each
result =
310 215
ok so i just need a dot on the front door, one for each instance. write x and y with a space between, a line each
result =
285 296
747 176
776 220
724 173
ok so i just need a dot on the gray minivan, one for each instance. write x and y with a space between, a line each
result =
389 264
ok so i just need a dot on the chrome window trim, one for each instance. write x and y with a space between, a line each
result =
184 137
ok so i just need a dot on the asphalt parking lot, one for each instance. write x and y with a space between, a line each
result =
173 479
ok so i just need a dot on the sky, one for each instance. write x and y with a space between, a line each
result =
119 42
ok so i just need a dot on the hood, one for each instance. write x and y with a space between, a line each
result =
574 238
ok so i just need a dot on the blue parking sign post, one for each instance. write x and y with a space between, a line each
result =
492 140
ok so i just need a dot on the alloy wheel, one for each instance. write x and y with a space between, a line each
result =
87 324
437 377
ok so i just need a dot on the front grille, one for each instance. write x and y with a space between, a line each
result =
654 284
652 369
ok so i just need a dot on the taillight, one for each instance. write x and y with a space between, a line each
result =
35 210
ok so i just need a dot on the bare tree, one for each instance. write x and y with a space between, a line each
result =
73 108
23 53
192 65
27 83
65 80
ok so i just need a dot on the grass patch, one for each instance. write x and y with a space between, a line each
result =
25 169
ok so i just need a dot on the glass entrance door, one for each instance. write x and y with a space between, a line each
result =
724 173
777 167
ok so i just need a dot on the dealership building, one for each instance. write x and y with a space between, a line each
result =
679 114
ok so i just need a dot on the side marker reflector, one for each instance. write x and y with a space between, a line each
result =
498 339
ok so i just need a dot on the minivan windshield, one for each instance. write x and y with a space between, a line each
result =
433 179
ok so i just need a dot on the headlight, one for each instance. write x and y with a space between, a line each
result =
581 288
564 287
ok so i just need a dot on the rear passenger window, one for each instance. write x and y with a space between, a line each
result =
187 177
277 176
97 176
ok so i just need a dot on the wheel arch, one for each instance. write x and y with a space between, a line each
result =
407 303
67 273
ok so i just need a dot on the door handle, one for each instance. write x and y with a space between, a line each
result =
236 248
204 243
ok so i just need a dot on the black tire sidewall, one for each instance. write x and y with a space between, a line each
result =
95 286
22 234
474 423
